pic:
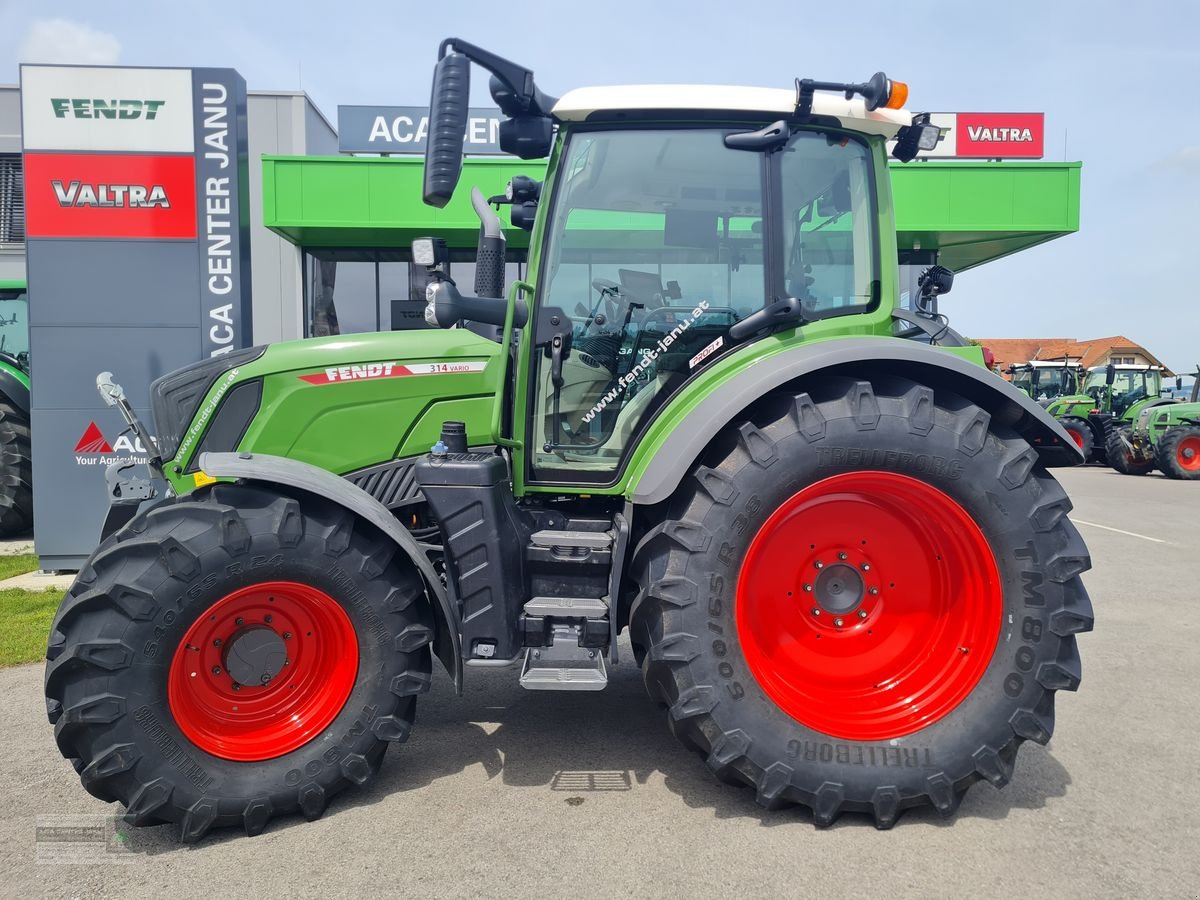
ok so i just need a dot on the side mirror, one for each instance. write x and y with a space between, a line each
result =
448 104
1178 383
1110 374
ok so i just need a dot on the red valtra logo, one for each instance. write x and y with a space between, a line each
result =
93 441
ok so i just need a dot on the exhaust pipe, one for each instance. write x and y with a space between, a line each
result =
490 255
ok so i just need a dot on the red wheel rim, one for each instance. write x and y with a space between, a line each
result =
907 597
1187 454
301 634
1076 437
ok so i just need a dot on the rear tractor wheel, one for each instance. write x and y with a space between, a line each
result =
235 656
1121 454
1178 453
863 600
1080 431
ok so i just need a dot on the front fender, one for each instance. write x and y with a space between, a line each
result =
296 475
664 464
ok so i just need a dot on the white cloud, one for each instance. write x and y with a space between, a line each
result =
64 41
1186 159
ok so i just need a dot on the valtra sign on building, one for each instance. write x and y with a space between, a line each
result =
138 255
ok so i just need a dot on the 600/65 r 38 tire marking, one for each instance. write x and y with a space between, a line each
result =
302 655
882 622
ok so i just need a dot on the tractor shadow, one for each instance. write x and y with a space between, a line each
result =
574 744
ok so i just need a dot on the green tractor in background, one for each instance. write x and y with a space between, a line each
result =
1165 435
840 558
16 460
1111 396
1044 380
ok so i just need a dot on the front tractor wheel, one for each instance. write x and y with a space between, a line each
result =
1122 456
863 600
1178 453
1080 431
235 656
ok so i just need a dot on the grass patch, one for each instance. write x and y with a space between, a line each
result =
25 618
17 565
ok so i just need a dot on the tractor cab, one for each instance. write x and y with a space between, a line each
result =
1116 388
14 324
1045 381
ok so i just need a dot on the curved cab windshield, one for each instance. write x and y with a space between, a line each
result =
658 246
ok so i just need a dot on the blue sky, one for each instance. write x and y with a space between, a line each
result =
1119 83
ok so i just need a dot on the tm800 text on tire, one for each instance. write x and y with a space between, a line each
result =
235 656
844 550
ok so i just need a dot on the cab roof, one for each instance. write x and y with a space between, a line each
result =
715 101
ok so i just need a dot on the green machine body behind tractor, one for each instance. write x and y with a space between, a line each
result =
1045 381
1166 436
16 461
839 555
1111 396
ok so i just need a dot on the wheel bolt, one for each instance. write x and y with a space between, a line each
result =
216 670
842 555
866 567
838 621
239 621
236 686
266 679
816 610
268 619
287 635
873 591
216 642
818 564
808 589
862 613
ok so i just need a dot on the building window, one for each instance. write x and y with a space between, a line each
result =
12 200
349 291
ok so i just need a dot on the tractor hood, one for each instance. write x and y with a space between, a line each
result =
345 402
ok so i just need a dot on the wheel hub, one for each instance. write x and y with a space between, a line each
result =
255 655
839 589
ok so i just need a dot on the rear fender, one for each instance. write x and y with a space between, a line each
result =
669 461
295 475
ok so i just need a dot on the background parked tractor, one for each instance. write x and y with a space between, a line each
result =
1111 396
1166 435
16 461
1046 381
843 565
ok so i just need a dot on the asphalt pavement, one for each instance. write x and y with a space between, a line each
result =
505 792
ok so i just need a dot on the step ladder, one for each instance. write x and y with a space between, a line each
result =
564 665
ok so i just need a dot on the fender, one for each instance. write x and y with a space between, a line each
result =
16 392
301 476
863 357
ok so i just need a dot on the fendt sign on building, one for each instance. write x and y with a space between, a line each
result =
138 250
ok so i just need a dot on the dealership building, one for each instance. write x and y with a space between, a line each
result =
277 225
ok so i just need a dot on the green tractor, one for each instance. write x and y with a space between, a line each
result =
1045 381
840 559
1112 396
1166 435
16 460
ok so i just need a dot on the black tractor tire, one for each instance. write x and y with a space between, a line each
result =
120 625
683 619
1080 431
1178 453
1120 457
16 472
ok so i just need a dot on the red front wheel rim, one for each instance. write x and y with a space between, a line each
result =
1076 436
869 605
295 648
1187 454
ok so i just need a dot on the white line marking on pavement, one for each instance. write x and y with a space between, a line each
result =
1120 531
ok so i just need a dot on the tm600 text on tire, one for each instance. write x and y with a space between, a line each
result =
235 656
863 600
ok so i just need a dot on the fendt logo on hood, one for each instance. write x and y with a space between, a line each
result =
120 196
92 448
83 108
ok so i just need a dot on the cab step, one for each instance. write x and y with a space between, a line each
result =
564 665
567 607
586 540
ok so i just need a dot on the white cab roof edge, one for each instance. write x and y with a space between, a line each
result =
579 104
